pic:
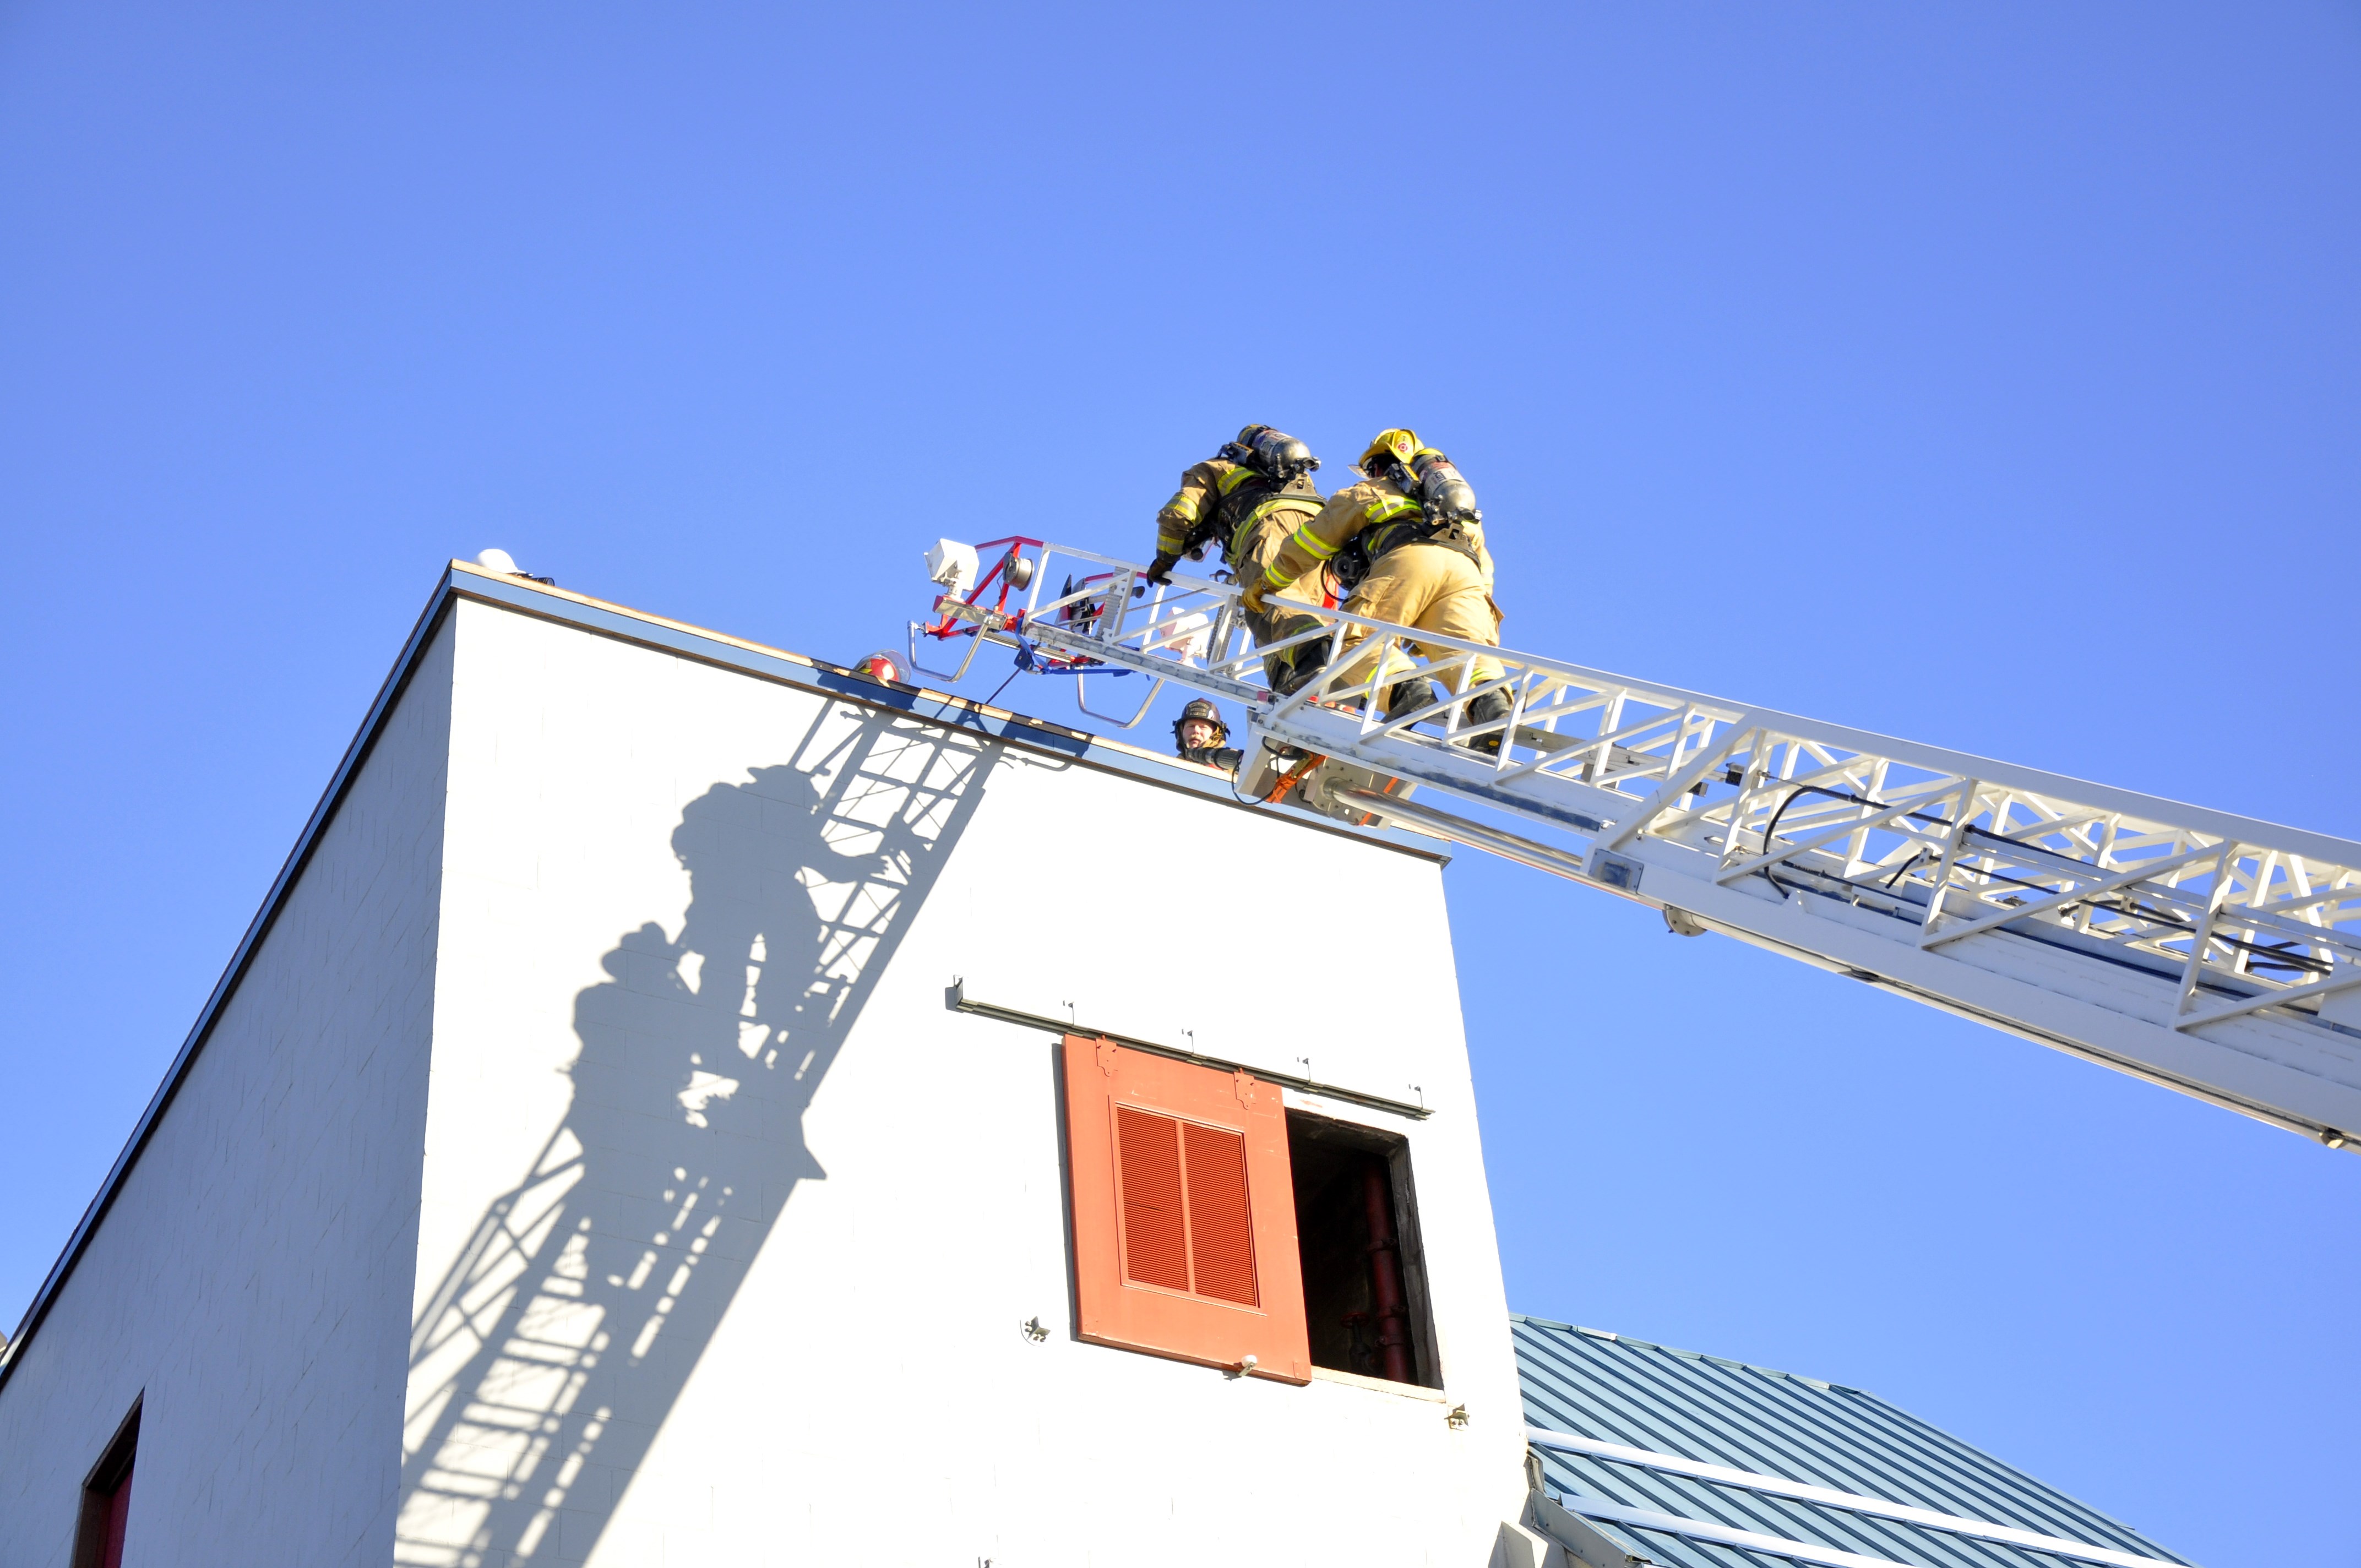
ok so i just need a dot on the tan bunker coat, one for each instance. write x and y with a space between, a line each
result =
1438 583
1251 518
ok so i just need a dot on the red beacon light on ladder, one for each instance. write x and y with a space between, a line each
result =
882 667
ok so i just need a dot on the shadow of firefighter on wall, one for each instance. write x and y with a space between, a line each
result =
544 1362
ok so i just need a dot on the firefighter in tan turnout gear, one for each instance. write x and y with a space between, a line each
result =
1414 518
1199 736
1246 500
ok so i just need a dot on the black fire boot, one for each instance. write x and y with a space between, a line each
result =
1292 669
1409 696
1490 709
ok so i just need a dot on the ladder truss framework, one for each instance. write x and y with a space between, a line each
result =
2214 954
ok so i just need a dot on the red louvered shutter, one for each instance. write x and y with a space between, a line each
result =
1155 1230
1184 1211
1220 1222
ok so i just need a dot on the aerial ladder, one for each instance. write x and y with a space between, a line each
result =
2214 954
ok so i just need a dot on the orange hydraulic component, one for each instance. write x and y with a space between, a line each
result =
1294 776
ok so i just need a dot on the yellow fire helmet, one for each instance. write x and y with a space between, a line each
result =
1400 445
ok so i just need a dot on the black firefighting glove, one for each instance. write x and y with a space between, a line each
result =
1160 570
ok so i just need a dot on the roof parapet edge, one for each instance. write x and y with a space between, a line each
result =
605 618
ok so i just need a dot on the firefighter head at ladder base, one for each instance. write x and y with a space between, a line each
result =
1199 736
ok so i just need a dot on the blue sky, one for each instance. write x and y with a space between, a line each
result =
1986 375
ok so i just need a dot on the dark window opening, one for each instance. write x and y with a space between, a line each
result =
106 1500
1364 1272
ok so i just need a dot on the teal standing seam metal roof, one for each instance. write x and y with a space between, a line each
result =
1595 1385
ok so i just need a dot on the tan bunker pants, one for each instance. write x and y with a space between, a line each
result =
1434 588
1275 624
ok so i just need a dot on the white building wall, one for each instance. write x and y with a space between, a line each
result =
728 1225
248 1284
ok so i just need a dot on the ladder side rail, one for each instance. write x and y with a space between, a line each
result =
2078 882
2076 844
1739 807
2012 987
1852 827
1820 736
2072 869
2240 995
2055 900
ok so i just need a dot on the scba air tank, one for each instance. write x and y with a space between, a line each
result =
1443 493
1279 454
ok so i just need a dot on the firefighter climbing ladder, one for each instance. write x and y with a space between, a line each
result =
2214 954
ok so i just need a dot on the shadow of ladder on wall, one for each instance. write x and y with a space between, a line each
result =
558 1341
